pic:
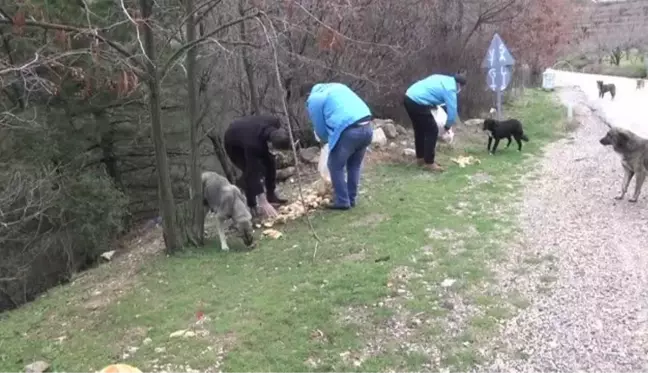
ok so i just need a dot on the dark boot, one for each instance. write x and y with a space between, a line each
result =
273 198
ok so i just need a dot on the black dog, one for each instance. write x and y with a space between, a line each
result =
603 88
504 129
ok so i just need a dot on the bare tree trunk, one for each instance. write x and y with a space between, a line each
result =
247 66
165 194
197 221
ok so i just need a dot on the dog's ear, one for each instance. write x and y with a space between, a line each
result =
622 139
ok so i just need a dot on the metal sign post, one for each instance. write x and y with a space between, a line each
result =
498 61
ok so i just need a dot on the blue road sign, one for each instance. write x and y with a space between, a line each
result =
498 62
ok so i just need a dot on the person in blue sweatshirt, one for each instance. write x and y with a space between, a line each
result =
420 97
343 120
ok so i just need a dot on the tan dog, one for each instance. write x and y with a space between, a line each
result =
634 157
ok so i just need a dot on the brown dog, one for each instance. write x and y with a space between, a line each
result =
634 157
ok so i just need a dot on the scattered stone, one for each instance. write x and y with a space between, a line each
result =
108 255
409 152
401 130
381 123
120 367
182 333
390 130
37 367
310 155
379 139
159 350
147 341
285 173
284 160
448 282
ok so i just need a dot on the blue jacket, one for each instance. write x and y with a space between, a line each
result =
332 107
436 90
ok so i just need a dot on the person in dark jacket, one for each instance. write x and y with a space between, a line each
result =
420 97
246 144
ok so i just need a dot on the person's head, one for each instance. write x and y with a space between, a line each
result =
460 78
305 89
280 139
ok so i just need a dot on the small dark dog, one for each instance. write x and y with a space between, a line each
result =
504 129
640 83
634 158
603 88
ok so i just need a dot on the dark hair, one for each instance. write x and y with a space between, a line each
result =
280 139
460 77
305 89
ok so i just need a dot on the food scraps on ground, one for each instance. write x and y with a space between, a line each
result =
315 196
272 233
464 161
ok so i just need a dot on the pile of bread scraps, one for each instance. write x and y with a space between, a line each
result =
316 195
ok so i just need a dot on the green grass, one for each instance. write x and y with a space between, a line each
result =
280 308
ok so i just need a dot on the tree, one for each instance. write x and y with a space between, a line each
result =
539 32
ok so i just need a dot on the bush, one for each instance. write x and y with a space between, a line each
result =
628 71
53 225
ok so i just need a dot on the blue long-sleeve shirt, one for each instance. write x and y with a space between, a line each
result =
332 107
436 90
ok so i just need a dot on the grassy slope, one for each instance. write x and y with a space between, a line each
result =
277 309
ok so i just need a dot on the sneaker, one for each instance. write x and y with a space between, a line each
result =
336 207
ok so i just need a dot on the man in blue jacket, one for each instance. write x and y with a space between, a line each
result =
419 99
343 120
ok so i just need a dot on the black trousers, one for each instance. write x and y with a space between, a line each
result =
253 171
425 128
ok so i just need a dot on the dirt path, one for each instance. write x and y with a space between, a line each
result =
588 290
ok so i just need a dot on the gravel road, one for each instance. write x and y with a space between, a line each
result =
589 297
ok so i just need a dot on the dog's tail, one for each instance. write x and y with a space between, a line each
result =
524 138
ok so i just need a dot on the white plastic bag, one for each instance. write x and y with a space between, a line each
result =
441 118
322 165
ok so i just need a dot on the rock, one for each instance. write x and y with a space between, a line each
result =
379 139
310 155
390 130
408 152
37 367
448 282
182 333
401 130
475 122
120 368
284 159
380 123
108 255
285 173
147 341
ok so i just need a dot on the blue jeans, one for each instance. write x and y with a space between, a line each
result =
349 152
